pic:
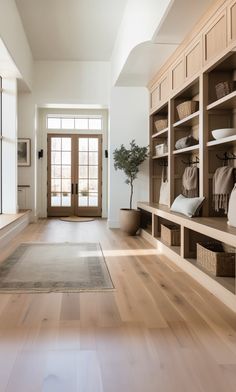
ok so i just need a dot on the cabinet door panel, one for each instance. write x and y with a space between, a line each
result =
164 89
215 38
193 60
155 97
232 21
178 75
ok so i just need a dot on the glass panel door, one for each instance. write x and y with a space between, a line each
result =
60 175
89 175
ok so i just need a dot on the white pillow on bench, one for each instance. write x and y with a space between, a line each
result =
186 205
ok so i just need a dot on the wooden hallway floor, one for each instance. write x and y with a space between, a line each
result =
159 331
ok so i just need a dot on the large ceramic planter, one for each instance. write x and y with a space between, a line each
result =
130 220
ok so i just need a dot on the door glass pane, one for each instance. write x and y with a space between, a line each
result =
83 144
66 158
83 158
54 123
83 201
83 187
93 144
66 186
67 123
66 199
56 143
83 171
55 199
93 185
93 158
56 185
56 158
93 199
66 171
93 171
66 144
56 171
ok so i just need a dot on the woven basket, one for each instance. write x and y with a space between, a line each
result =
187 108
161 124
170 234
224 88
161 149
213 258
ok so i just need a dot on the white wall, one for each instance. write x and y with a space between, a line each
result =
9 146
72 82
13 35
139 24
58 83
128 120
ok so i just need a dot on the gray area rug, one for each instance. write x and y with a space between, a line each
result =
55 267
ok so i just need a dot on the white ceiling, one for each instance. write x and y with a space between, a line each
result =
82 30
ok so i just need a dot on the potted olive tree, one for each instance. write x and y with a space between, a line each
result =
129 160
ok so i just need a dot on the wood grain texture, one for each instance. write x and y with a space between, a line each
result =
158 331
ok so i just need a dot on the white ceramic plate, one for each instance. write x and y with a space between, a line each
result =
224 132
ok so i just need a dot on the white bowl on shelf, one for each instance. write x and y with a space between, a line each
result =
223 132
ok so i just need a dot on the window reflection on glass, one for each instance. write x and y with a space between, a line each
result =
93 171
66 158
56 185
55 171
56 158
83 200
66 199
93 199
56 143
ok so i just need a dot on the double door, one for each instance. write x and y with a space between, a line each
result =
74 175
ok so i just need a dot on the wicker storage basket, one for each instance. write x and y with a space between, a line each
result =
161 124
224 88
170 234
187 108
215 260
161 149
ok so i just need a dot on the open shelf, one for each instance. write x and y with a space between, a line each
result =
189 121
225 140
160 156
227 102
160 133
186 150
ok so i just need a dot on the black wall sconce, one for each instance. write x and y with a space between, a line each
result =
40 154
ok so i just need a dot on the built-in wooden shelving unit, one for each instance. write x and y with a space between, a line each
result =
192 73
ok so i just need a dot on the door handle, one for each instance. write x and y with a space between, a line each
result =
76 189
72 189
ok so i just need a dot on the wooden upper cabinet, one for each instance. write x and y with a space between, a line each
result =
215 37
193 59
177 74
155 97
164 88
232 21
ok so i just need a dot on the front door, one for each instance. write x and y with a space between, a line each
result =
74 175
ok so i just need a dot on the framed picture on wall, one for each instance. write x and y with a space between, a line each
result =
23 152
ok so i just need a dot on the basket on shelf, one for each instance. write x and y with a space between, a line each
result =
212 257
161 149
187 108
170 234
224 88
161 124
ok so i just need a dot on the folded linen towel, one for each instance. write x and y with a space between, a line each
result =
190 181
186 141
223 183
